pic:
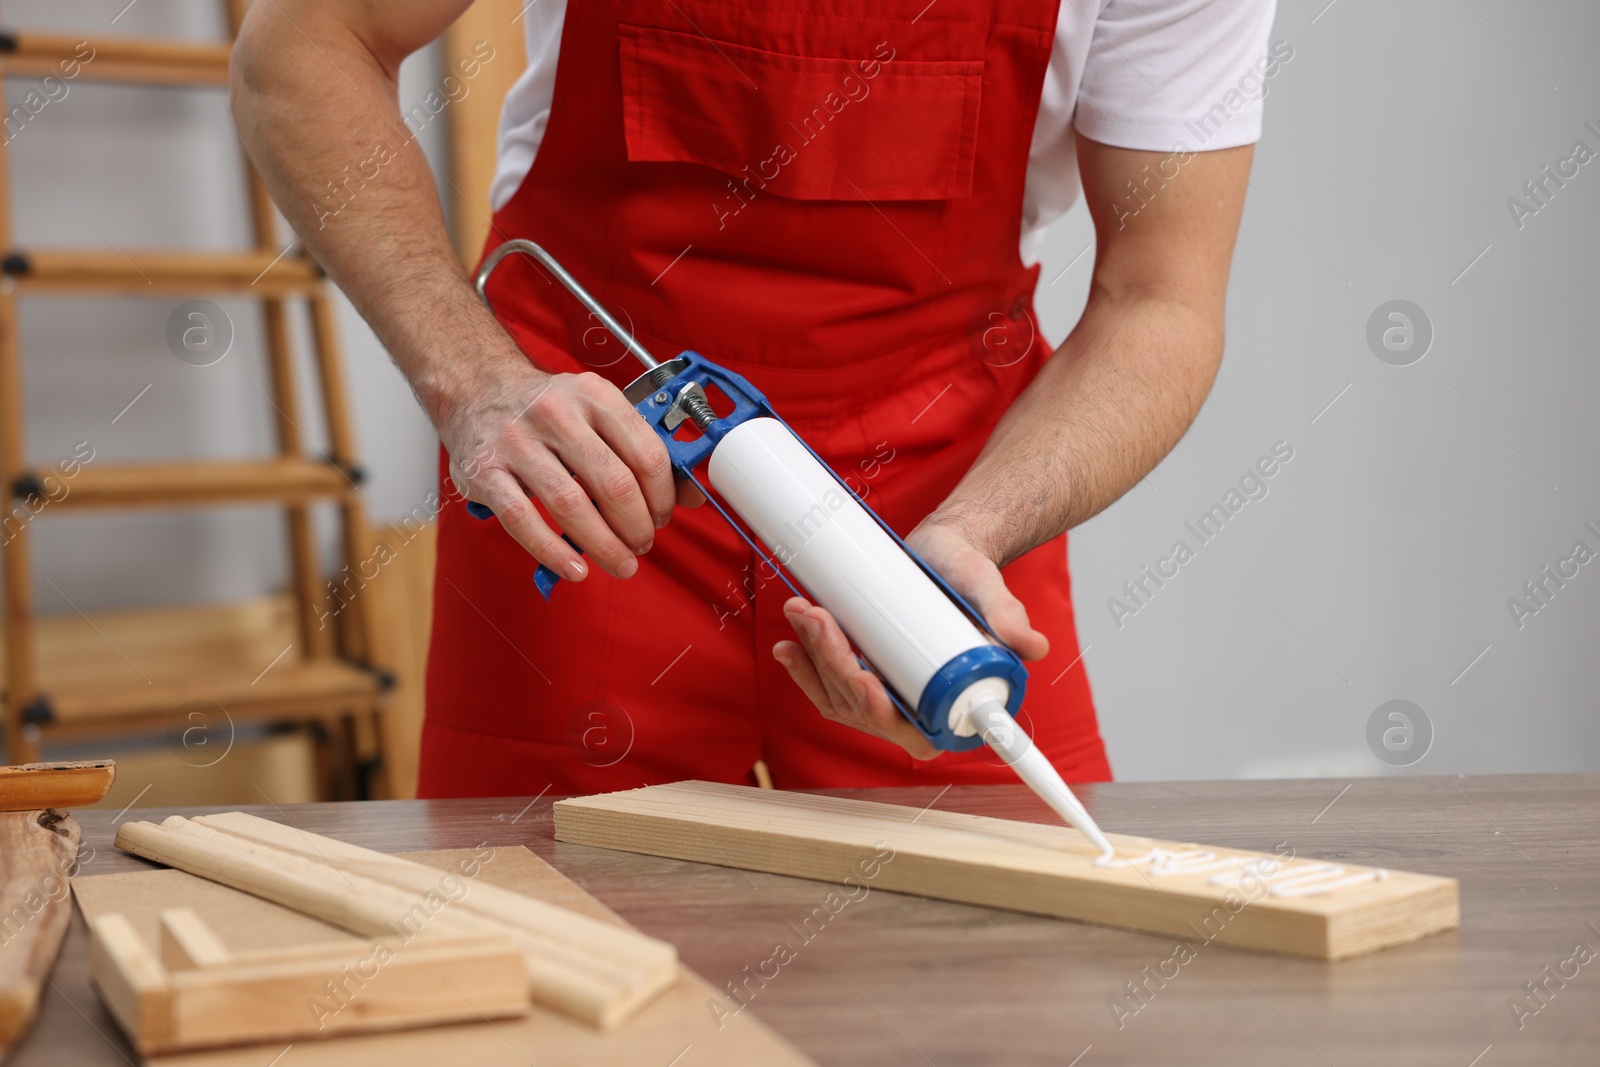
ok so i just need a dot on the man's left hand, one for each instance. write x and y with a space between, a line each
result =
823 664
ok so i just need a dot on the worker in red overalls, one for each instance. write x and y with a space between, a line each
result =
828 201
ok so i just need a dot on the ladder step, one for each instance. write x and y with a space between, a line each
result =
114 59
144 273
290 690
287 480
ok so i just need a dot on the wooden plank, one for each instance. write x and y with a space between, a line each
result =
250 927
474 120
402 595
420 985
204 483
37 853
213 997
599 976
16 569
116 59
56 271
1251 900
188 944
131 980
290 690
33 786
241 636
362 633
563 932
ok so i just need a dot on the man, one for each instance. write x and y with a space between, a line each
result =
830 203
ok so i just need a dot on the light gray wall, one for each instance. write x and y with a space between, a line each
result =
1377 567
1381 561
160 168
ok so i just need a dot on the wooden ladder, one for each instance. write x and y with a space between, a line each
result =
337 678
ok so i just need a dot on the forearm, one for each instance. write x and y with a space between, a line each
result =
1103 411
1123 388
316 104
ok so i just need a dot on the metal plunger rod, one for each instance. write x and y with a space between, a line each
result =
526 247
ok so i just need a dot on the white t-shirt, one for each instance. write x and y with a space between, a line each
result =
1153 75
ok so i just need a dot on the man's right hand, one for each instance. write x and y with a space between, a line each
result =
575 444
314 86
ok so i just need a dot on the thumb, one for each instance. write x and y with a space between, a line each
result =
1006 616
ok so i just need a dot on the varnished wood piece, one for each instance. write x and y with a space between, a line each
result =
33 786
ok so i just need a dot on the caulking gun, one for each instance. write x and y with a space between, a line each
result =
941 664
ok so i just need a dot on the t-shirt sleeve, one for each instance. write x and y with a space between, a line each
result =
1161 74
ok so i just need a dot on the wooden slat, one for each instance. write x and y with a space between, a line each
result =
305 565
116 59
55 785
288 691
37 852
1042 870
474 120
458 981
16 570
188 944
278 479
561 931
132 983
240 637
362 633
600 982
251 927
135 272
202 996
402 596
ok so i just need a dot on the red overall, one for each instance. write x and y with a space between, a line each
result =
827 202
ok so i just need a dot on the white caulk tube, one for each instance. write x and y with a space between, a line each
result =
900 620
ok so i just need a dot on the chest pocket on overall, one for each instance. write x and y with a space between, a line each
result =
875 126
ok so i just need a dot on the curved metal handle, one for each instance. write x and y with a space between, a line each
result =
528 248
545 579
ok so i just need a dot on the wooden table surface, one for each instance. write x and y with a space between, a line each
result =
898 980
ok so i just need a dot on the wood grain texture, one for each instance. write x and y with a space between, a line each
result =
200 995
188 944
36 786
119 59
252 927
37 852
896 978
403 595
601 976
474 120
64 271
1228 896
557 930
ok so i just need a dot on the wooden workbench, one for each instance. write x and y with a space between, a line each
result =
898 980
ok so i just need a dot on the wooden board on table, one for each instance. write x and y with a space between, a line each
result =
37 853
1231 896
675 1021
